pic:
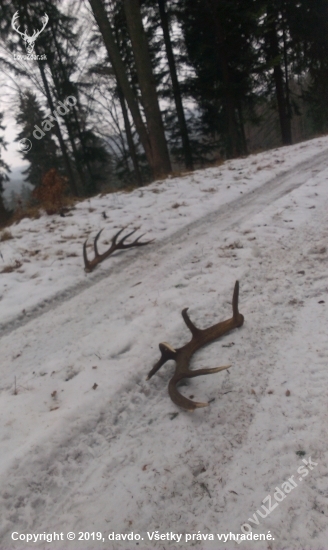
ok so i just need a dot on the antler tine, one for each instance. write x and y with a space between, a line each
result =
95 246
121 244
235 297
183 401
202 372
117 235
136 243
167 353
193 329
182 356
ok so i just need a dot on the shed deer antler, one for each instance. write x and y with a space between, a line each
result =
120 245
182 356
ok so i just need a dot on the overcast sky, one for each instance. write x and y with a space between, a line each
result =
9 85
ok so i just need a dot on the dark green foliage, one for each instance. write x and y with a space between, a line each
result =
94 154
44 153
308 22
220 67
4 170
218 39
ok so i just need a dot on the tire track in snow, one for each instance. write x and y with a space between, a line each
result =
297 422
228 215
120 431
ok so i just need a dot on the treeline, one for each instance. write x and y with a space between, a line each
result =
158 84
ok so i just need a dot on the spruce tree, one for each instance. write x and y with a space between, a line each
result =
219 46
4 170
42 154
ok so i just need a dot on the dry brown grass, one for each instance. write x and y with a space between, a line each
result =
31 212
177 174
12 267
178 204
214 163
209 190
34 213
264 167
131 188
6 236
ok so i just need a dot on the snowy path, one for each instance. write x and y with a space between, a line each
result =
229 215
118 457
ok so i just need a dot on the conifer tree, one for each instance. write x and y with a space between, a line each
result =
151 134
42 154
218 40
4 170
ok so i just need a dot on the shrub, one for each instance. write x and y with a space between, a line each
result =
51 193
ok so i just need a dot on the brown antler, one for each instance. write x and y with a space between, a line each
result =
120 245
183 355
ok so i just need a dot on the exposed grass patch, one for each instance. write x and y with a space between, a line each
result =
31 212
12 267
178 204
209 190
6 236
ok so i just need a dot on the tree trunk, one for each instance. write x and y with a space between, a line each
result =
233 148
5 215
161 159
129 137
71 177
67 120
103 23
284 118
175 86
288 105
242 130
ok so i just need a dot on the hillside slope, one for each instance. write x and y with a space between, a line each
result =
89 445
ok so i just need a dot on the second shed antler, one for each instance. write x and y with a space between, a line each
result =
120 245
182 356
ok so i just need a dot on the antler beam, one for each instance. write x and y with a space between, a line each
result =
182 356
120 245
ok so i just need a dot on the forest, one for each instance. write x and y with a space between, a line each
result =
114 94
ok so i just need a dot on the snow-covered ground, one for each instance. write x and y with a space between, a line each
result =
88 445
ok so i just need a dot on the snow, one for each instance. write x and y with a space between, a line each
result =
88 445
